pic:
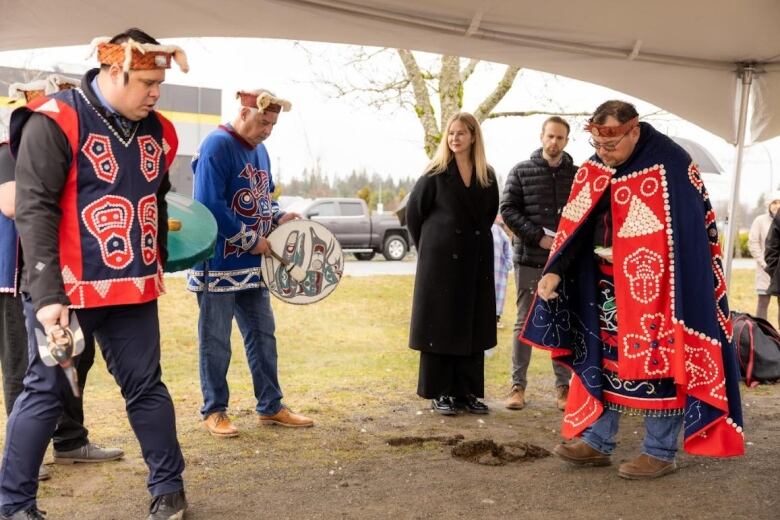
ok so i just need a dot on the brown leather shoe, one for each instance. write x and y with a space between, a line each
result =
561 395
580 453
646 467
286 417
516 400
218 424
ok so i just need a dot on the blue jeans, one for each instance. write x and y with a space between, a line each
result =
252 310
660 436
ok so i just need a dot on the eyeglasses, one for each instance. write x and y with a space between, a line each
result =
608 147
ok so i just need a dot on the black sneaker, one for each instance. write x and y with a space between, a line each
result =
444 405
168 507
472 405
30 514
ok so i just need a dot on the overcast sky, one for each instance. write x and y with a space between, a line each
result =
346 134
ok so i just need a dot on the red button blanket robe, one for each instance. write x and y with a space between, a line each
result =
674 339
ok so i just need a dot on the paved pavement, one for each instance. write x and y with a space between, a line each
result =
380 266
352 267
743 263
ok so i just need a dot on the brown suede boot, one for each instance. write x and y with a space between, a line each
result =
285 417
561 395
580 453
516 400
218 424
645 467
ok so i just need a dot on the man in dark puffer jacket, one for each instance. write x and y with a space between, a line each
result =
534 195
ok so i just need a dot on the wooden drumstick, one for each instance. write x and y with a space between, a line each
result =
296 272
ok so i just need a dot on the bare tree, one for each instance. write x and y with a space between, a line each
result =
431 86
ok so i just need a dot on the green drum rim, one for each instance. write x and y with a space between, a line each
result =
197 237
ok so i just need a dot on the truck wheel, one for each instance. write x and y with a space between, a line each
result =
395 247
365 256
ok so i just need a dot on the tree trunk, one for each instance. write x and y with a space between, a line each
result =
450 89
486 107
422 101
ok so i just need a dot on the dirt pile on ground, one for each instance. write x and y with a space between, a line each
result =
412 440
489 453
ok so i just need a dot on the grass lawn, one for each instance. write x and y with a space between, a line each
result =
342 354
345 362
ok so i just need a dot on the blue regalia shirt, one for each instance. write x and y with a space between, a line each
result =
233 180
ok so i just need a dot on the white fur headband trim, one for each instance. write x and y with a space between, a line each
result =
17 90
264 99
179 56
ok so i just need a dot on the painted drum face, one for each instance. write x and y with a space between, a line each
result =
314 260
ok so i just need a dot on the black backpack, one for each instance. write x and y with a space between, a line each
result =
758 349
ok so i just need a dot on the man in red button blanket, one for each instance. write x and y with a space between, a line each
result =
91 177
633 299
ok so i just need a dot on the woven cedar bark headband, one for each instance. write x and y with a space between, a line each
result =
42 87
263 101
611 131
132 55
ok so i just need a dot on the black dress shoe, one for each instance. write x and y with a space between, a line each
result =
444 405
472 405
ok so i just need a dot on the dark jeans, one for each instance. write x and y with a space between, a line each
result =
70 433
526 280
255 318
129 337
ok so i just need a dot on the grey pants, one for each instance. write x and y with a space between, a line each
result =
526 280
762 307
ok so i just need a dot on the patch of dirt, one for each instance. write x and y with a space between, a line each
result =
489 453
419 441
337 471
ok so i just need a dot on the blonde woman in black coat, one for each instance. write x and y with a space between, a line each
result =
449 214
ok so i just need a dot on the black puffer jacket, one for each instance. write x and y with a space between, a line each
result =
534 195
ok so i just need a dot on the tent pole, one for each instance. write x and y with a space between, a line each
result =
746 73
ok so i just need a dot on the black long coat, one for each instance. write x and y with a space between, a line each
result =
454 304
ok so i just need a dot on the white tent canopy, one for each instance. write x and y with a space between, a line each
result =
681 55
686 56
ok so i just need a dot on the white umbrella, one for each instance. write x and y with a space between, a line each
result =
700 155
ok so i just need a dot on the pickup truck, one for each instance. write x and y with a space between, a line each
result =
358 232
